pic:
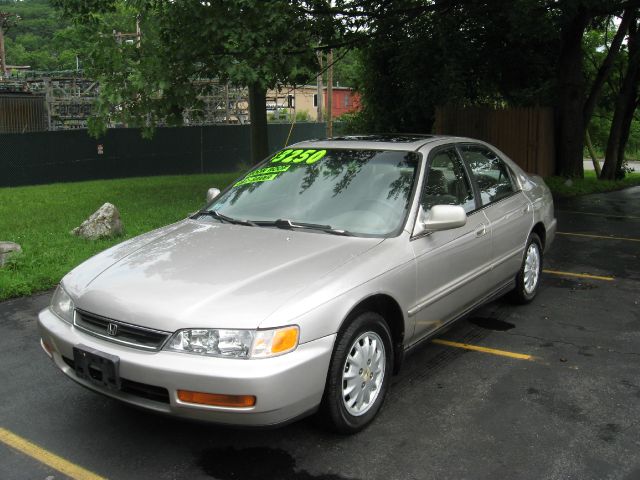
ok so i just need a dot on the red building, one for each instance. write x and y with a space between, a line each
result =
345 100
305 99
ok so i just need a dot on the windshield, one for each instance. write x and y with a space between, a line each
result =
363 192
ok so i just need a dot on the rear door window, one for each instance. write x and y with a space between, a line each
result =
490 173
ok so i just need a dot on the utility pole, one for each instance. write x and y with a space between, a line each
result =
130 38
138 31
330 94
3 65
4 25
320 94
226 103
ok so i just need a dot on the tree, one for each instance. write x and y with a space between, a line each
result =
504 53
574 107
412 55
606 66
36 39
612 126
462 53
245 42
625 106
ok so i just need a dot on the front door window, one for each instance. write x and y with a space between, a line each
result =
447 183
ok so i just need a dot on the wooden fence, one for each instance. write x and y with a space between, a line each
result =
526 135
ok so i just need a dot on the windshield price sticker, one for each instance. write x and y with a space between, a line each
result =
263 174
298 156
276 169
256 179
286 156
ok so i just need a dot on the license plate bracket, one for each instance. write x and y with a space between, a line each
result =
97 367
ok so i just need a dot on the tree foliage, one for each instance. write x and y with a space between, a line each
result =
463 54
596 46
156 78
405 56
40 38
481 52
244 42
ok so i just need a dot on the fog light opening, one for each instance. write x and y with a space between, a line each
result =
216 399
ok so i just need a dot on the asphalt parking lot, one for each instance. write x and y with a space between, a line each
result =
571 411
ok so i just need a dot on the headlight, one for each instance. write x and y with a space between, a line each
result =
62 305
235 343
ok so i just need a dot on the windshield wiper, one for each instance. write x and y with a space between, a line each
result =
289 225
223 218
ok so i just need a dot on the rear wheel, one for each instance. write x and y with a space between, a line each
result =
528 278
359 374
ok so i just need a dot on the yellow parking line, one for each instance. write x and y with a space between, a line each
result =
579 275
605 237
599 214
466 346
65 467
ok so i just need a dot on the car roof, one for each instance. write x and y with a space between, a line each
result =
402 142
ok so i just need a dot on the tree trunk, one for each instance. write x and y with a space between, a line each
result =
607 65
258 116
624 108
3 65
626 130
571 101
592 152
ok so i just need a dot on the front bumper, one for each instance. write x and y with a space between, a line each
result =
286 387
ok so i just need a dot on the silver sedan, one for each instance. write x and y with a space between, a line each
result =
301 287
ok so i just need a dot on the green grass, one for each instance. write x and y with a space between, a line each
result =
40 218
590 184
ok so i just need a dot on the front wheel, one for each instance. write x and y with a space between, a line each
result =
528 278
359 374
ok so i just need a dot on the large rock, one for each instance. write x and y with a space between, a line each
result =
104 222
6 249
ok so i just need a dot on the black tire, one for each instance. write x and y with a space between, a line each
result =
522 293
333 411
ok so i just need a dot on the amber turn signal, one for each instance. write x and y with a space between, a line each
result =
285 339
216 399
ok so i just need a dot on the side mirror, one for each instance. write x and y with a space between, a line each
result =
440 217
212 193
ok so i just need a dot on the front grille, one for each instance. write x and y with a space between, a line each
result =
120 332
150 392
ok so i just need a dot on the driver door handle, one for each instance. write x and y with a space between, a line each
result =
481 230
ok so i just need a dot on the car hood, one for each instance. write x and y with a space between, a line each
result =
207 274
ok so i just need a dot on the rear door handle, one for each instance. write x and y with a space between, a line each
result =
527 209
481 230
